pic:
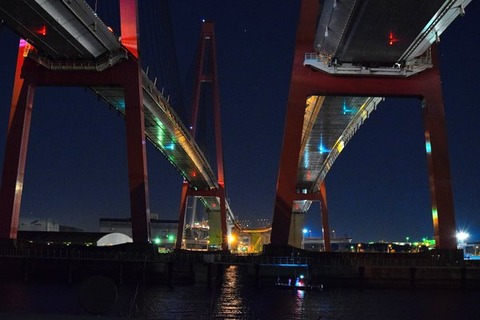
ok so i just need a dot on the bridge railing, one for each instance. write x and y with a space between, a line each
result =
102 63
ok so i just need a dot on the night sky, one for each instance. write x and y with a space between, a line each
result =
377 189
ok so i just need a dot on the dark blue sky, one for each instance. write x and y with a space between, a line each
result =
377 189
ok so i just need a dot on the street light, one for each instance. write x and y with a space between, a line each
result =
462 236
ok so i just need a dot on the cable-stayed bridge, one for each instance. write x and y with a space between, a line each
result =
349 54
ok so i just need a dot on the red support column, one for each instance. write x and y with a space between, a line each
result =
287 175
223 218
16 150
325 225
129 25
134 116
137 159
181 215
290 155
439 164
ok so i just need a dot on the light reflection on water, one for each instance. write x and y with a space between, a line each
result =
229 301
236 297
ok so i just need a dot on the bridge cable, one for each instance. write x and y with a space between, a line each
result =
158 50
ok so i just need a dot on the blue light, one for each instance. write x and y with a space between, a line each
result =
170 146
121 104
305 230
347 110
322 148
428 147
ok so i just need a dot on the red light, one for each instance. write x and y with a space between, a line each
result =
42 31
194 174
391 39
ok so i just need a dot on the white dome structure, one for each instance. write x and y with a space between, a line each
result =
113 239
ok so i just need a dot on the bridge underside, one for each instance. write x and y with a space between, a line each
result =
377 33
323 113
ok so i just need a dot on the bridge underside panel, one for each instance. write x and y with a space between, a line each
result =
379 33
329 123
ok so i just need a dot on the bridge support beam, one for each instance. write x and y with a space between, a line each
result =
137 158
439 168
219 214
324 213
28 76
181 216
16 150
306 82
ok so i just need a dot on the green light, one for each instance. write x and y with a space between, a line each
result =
171 237
434 213
157 240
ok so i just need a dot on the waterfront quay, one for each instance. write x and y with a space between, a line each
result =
143 264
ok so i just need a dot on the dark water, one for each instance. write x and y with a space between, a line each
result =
235 297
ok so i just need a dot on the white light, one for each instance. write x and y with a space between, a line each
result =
305 230
462 236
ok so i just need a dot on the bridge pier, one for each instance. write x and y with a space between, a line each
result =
127 75
16 150
137 158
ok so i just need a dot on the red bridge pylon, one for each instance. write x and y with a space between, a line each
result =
206 74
